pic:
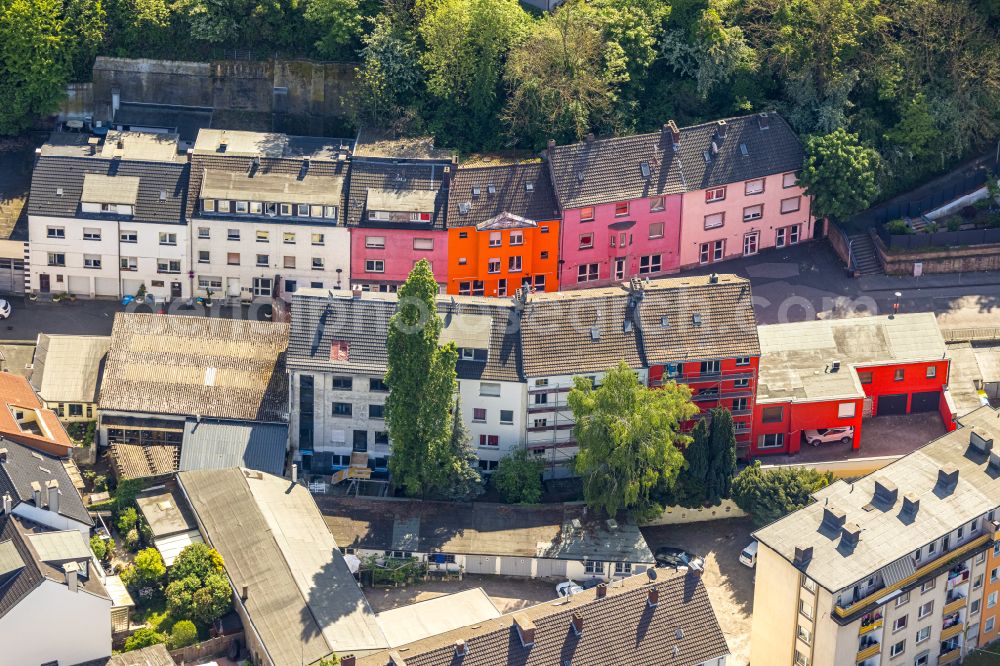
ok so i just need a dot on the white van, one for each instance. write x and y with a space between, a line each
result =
749 555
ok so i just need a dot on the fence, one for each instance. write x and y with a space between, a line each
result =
213 647
943 239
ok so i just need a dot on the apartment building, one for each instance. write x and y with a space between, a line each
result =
106 217
266 214
397 205
621 208
741 191
894 568
835 373
337 361
503 230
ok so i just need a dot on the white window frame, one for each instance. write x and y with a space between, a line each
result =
750 187
751 213
374 266
715 220
374 242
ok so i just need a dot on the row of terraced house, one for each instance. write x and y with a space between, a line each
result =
254 215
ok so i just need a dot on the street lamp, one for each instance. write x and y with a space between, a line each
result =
895 306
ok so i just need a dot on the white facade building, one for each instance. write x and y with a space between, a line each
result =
107 218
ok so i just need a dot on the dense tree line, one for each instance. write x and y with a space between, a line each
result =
917 81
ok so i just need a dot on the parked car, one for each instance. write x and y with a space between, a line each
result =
844 435
568 588
748 555
5 309
669 556
591 583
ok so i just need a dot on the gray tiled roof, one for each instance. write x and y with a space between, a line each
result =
54 172
511 195
219 368
396 176
66 368
25 466
606 170
213 444
622 628
318 320
25 575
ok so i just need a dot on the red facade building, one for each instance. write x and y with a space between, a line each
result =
833 374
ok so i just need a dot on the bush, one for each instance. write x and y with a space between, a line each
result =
197 600
775 493
898 227
146 572
127 519
196 560
518 478
183 634
931 227
98 547
132 540
143 637
100 483
954 223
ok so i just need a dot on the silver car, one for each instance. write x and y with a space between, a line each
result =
844 435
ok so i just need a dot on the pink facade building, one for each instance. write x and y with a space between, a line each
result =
621 204
396 207
742 191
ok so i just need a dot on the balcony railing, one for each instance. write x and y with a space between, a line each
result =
871 626
869 651
845 611
957 576
952 631
955 604
950 656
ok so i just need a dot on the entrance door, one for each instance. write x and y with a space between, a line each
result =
891 404
43 283
262 286
620 268
750 242
175 290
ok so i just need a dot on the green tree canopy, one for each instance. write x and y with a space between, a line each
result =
630 440
768 495
340 23
198 560
182 634
518 478
147 570
144 637
419 430
722 456
839 174
460 479
390 76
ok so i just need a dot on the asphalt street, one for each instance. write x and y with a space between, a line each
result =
799 283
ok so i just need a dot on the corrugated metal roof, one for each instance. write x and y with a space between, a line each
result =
220 444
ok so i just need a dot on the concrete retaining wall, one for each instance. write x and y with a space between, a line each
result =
678 515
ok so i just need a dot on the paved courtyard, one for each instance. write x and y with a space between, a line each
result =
507 594
729 583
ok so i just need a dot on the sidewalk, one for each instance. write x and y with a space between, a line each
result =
870 283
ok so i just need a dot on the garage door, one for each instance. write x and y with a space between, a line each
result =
11 276
481 564
891 404
515 566
78 284
925 401
106 286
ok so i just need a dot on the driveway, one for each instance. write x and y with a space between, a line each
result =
507 594
729 583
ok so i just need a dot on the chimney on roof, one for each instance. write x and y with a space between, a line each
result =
577 624
295 473
590 137
3 455
675 134
602 590
53 487
803 555
653 597
947 479
244 593
189 153
461 649
850 535
72 570
36 493
885 491
911 504
525 629
713 278
720 129
833 518
551 143
348 660
994 460
120 144
8 503
356 293
979 443
763 121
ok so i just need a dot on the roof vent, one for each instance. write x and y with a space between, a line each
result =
3 455
525 629
579 176
763 120
664 321
461 649
696 319
980 443
679 633
595 333
653 597
464 207
947 479
476 192
707 156
994 461
850 535
803 555
911 504
163 195
713 278
744 151
577 624
627 326
835 367
714 148
885 491
833 518
59 191
644 169
529 186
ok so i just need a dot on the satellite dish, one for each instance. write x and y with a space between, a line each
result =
651 573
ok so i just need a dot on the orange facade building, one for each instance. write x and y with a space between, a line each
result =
503 230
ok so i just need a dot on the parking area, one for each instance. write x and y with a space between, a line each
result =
508 594
729 583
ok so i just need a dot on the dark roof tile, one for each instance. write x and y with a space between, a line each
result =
524 190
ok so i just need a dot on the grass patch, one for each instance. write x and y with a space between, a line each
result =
983 658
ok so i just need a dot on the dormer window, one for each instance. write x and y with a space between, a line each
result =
114 195
330 212
223 206
208 205
242 207
286 209
303 210
271 209
474 355
255 207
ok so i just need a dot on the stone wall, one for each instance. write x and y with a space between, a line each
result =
678 515
940 260
304 91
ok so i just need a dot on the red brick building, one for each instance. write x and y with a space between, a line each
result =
831 374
